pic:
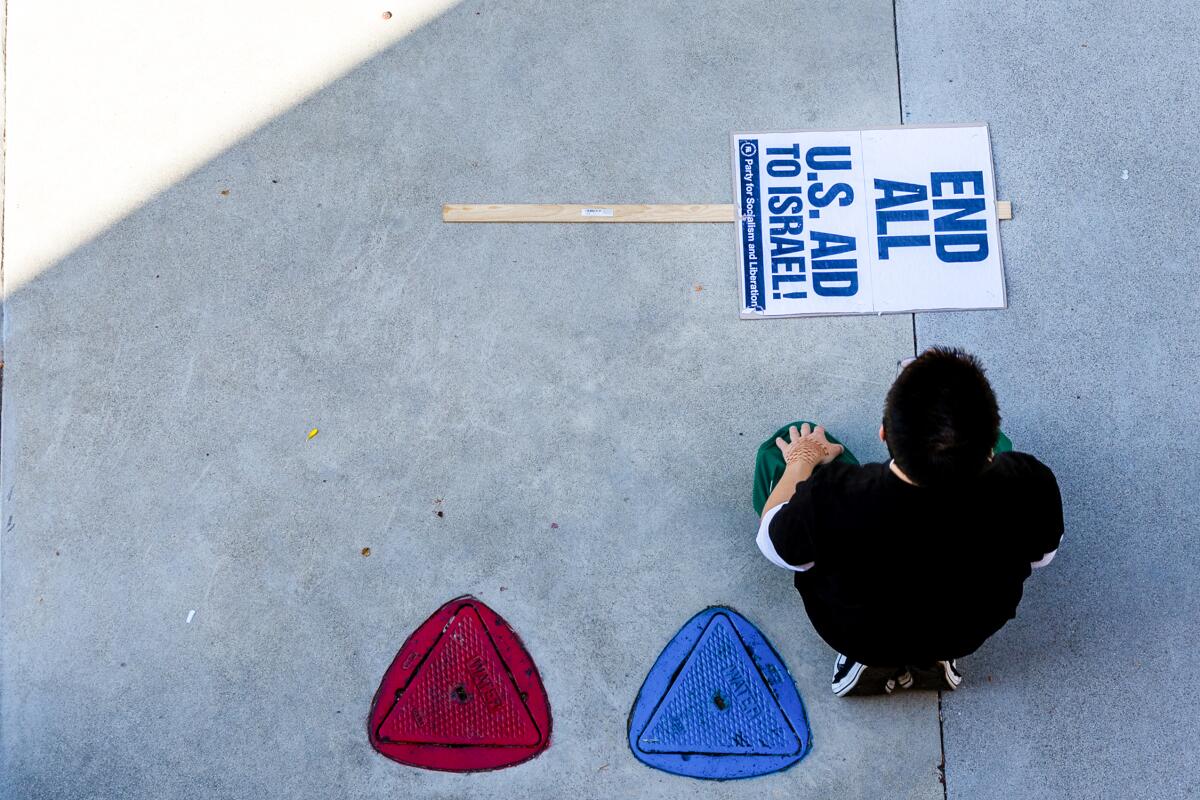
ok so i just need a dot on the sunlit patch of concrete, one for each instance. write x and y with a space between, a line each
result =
110 103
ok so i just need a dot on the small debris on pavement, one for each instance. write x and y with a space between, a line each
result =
313 433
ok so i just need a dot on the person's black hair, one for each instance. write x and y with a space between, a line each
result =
940 418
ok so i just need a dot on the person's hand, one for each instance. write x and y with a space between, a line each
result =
808 445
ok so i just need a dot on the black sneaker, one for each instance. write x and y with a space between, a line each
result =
938 675
852 677
950 673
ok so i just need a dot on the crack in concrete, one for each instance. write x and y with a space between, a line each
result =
941 768
942 745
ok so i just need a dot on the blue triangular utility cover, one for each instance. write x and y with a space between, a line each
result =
719 704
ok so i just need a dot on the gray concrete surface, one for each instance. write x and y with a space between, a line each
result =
160 381
1092 691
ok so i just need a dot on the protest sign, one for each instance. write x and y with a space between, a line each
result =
866 221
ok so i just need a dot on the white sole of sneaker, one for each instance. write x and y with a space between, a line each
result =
954 678
849 680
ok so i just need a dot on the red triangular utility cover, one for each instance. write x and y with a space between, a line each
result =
461 695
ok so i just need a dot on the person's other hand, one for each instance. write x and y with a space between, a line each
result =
805 438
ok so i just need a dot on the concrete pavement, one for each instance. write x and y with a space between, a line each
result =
162 377
1092 690
186 607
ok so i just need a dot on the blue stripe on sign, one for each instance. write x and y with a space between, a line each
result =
750 223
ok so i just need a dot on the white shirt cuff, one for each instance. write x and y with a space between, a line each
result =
768 548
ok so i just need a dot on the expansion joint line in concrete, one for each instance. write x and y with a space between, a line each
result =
942 745
3 168
3 181
900 116
896 50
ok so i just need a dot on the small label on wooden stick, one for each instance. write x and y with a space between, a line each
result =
596 212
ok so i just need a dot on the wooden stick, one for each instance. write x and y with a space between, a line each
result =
571 212
576 212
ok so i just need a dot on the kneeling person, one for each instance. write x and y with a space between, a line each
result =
908 565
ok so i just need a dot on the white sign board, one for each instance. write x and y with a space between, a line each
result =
867 222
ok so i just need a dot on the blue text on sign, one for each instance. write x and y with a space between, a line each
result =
957 237
831 277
